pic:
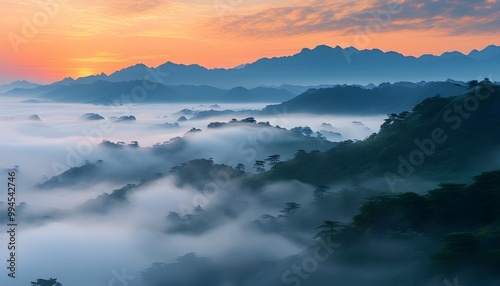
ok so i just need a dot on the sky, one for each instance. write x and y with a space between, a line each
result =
47 40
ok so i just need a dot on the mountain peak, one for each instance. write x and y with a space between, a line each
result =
452 54
323 47
486 53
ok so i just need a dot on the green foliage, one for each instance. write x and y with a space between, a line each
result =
465 217
273 159
259 166
290 208
320 191
468 138
448 206
329 229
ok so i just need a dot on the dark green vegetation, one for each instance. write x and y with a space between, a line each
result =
465 217
368 201
384 98
451 233
447 139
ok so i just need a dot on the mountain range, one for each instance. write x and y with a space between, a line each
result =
280 79
117 93
321 65
383 99
469 145
21 84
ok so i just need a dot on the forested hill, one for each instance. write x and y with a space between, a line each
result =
439 139
385 98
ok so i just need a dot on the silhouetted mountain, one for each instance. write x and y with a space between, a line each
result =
17 84
386 98
490 52
440 139
91 116
182 149
321 65
105 92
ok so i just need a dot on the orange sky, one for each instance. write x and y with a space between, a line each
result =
47 40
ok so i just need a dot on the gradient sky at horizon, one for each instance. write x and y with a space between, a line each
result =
47 40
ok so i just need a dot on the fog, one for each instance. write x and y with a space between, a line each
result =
65 231
95 207
157 201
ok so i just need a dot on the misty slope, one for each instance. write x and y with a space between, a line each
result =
196 173
321 65
440 139
230 143
22 84
138 91
451 233
386 98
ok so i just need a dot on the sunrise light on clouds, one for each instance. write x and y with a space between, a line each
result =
47 40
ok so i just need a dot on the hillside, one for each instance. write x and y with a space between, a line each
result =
440 139
105 92
321 65
385 98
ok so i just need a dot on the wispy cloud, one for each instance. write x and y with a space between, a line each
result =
100 58
124 7
450 17
105 57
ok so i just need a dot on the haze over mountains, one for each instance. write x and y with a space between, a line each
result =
104 92
184 191
385 98
321 65
21 84
281 79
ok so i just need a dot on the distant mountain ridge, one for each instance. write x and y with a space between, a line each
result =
321 65
116 93
17 84
383 99
470 146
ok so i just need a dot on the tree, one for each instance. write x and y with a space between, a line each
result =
300 153
249 120
304 131
473 84
320 191
46 282
259 166
273 159
290 208
265 221
240 167
328 228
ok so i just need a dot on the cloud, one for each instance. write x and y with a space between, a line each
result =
100 57
132 6
450 17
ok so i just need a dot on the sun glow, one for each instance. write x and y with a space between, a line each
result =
81 72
